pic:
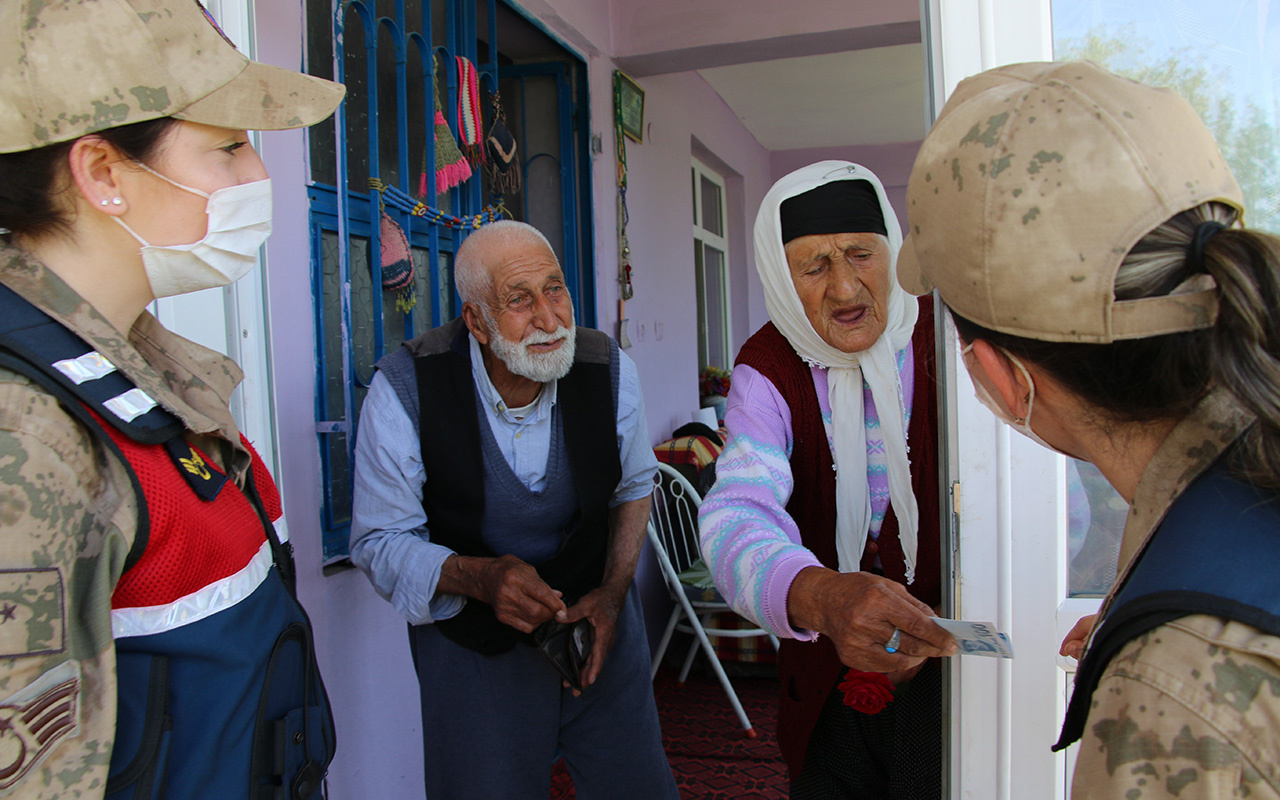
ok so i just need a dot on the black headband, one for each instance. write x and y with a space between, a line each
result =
835 207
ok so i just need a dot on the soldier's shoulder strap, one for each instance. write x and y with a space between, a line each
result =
38 347
54 354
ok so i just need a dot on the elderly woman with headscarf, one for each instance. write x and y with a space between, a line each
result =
821 528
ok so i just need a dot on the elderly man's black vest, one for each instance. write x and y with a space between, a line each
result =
453 495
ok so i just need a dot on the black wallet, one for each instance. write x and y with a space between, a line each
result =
567 646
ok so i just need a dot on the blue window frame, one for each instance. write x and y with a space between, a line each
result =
384 50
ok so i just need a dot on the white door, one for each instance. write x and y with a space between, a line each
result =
1036 535
233 320
1008 567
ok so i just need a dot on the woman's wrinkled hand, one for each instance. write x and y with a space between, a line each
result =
860 611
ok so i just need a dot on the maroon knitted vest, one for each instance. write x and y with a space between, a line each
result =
808 671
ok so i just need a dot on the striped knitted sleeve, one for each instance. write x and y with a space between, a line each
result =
750 543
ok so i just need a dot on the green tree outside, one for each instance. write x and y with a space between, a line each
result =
1249 141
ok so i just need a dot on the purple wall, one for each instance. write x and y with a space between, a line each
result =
679 109
681 114
664 36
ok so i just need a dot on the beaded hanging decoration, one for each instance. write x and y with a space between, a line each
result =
402 201
626 290
624 248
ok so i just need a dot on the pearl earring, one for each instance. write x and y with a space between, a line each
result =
103 201
115 201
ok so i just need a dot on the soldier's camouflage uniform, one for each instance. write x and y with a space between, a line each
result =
1191 709
68 517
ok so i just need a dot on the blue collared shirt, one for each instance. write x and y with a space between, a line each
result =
390 538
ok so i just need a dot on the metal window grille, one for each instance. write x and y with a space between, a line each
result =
383 50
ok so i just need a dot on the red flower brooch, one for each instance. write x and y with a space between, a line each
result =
867 692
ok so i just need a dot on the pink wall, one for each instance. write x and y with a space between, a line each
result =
663 314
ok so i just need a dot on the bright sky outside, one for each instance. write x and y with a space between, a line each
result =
1241 38
1235 42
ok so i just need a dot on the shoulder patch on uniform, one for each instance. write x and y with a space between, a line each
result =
32 612
35 719
204 479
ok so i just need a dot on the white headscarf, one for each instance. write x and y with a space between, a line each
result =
846 371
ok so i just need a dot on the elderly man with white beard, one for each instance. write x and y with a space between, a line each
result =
502 479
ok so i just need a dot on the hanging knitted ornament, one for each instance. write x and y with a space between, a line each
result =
451 166
501 166
397 263
469 109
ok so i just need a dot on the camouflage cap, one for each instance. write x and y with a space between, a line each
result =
71 67
1036 181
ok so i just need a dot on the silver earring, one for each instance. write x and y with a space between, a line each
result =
115 201
104 201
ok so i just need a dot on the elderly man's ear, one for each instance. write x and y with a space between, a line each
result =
474 321
1002 379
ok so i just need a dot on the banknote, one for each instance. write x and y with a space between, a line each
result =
977 638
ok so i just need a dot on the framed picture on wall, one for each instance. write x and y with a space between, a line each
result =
628 100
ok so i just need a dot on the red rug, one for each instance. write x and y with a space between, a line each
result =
709 755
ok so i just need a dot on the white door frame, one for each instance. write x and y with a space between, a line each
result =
1009 543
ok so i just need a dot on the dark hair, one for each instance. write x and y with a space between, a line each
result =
32 181
1163 377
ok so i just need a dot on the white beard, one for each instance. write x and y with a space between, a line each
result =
540 367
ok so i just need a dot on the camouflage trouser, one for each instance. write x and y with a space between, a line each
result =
1190 711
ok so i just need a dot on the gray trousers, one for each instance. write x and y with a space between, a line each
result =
492 726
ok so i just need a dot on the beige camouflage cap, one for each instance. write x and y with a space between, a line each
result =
1034 183
71 67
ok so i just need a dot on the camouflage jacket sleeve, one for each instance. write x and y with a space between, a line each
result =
68 516
1189 711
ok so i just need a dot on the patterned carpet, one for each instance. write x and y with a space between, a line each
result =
709 755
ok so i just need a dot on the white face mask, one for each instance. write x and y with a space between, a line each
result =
1022 426
239 222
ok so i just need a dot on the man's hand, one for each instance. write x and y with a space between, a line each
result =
601 606
859 611
1073 644
626 536
519 596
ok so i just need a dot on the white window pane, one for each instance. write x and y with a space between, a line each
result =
713 267
693 184
712 207
1096 515
700 287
